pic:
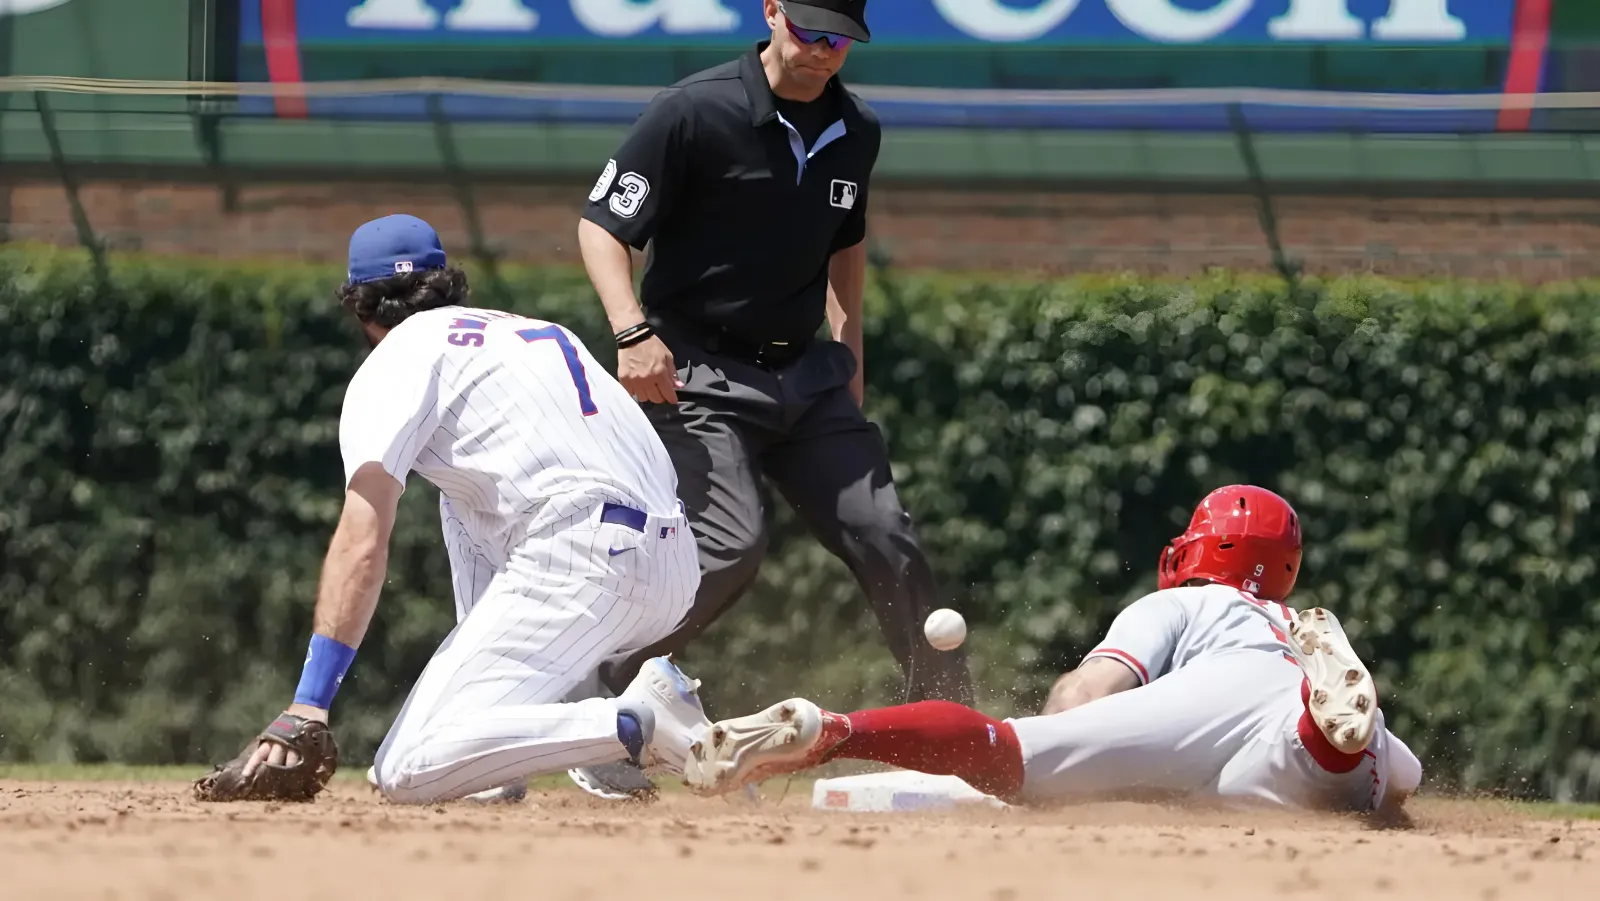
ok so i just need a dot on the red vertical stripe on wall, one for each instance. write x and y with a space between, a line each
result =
1530 37
282 38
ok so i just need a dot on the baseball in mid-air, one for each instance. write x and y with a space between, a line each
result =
945 629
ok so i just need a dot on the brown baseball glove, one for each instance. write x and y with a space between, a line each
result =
319 758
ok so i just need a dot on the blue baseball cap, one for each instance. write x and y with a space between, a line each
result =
391 246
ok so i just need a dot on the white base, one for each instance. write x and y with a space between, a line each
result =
897 791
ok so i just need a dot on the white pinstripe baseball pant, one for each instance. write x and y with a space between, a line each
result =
485 710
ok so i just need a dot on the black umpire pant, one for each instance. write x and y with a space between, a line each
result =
795 423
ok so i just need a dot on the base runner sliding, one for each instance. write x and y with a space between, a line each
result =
1212 687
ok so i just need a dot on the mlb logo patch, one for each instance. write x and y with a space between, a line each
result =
669 531
402 266
842 194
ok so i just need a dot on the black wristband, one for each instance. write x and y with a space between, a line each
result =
635 334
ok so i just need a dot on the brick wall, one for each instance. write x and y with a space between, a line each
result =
919 228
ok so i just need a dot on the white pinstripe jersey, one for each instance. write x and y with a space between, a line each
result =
511 418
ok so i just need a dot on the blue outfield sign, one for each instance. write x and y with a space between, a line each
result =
932 22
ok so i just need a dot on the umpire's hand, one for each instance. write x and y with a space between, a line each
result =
649 372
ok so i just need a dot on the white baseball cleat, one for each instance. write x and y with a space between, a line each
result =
785 738
1343 700
668 707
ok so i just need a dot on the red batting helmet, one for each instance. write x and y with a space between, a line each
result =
1242 536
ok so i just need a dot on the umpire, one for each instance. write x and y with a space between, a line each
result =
749 182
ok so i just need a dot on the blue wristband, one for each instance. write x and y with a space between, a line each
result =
326 662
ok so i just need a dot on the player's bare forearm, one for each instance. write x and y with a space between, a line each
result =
647 369
1094 679
347 594
847 280
358 557
610 266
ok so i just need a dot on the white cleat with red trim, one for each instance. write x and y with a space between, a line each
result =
1343 701
785 738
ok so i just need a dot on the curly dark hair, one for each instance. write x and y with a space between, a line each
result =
387 302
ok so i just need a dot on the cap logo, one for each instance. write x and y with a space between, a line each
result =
402 266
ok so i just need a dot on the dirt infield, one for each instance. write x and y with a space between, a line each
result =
148 841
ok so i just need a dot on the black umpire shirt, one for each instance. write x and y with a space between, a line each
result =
741 204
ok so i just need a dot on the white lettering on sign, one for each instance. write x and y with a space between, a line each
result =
608 18
392 14
625 18
987 20
1160 20
468 15
1164 20
1419 20
991 20
1314 20
23 7
491 15
1330 20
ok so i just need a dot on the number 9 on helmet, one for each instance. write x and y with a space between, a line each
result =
1240 535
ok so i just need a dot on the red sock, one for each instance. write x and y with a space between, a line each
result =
940 738
1316 744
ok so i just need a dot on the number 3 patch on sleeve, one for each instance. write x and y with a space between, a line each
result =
633 188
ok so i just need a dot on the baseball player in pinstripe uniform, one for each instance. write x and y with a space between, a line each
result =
566 538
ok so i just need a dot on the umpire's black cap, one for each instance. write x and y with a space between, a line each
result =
846 17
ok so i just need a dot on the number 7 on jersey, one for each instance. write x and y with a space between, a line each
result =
580 379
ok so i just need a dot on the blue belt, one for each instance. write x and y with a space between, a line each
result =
617 514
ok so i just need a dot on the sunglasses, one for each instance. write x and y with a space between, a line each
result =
807 36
